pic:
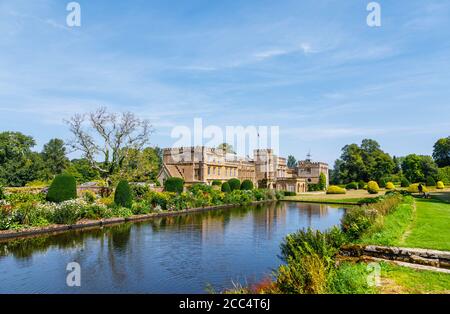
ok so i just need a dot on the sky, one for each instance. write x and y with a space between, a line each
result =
314 68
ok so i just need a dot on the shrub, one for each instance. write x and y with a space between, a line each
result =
235 184
361 184
2 194
350 278
390 186
414 188
382 183
306 277
352 186
139 190
312 187
63 188
322 181
122 195
372 187
247 185
309 241
216 183
333 189
405 183
89 197
140 208
440 185
95 211
174 185
431 182
67 212
289 193
226 187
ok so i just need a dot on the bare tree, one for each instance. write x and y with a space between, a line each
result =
108 139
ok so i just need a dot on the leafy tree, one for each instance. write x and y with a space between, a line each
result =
109 136
441 152
82 171
18 164
54 157
140 166
227 148
291 161
366 162
417 168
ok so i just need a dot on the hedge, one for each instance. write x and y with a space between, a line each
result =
247 185
235 184
226 187
122 195
216 182
352 186
414 188
390 186
334 189
63 188
372 187
174 185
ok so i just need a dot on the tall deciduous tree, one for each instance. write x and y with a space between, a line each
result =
441 152
54 156
291 161
227 148
108 139
18 164
365 162
418 168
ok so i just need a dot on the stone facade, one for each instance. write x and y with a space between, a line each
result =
204 165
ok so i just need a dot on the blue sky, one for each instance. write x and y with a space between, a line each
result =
314 68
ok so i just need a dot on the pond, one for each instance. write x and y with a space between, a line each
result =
191 253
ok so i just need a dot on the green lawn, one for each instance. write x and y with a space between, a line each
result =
431 226
427 227
398 279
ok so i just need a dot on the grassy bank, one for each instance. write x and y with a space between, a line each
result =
398 279
422 223
311 262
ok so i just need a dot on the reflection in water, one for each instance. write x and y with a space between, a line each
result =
168 255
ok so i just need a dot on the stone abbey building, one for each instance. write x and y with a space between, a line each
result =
266 170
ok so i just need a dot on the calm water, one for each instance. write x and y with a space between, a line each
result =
183 254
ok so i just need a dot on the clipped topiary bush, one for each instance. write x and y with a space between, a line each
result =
372 187
431 181
226 187
334 189
63 188
235 184
352 186
247 185
414 188
216 182
174 185
404 182
390 186
440 185
122 195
